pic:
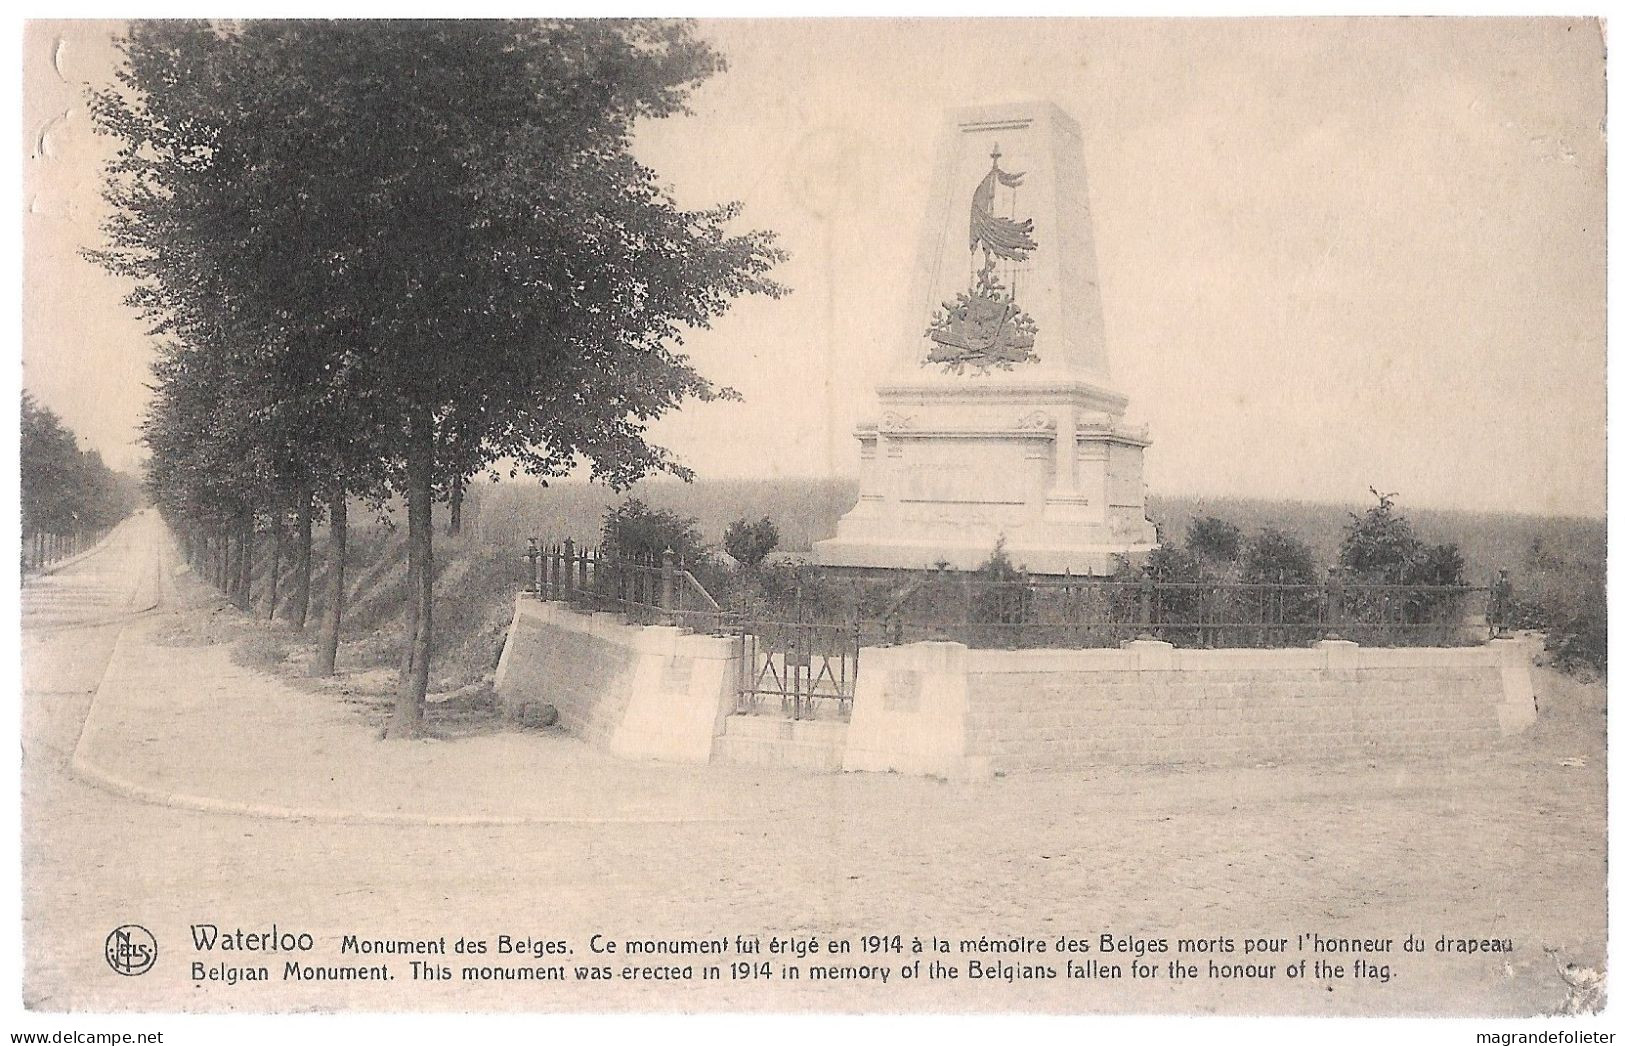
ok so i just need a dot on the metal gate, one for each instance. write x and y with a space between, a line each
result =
806 670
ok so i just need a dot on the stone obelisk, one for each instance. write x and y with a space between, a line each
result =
997 419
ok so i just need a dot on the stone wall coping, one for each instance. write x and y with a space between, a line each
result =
1155 655
1103 659
663 640
706 647
1428 657
927 656
1292 659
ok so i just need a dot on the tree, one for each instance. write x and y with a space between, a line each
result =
750 543
1275 557
1213 539
1380 548
1379 545
64 490
439 230
1437 565
633 530
1172 564
1001 595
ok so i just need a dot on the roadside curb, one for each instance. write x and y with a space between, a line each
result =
95 776
98 778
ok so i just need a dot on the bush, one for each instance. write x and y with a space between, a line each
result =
633 530
1214 540
750 543
1378 545
1380 548
1002 595
1579 644
1562 591
1276 557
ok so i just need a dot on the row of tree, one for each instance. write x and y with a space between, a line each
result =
385 257
66 491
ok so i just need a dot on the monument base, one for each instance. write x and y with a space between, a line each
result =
945 475
1078 560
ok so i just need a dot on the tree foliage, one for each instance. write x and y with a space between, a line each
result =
749 543
1001 595
1381 548
1213 539
64 489
634 530
413 250
1275 557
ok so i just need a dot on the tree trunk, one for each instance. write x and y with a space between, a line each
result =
411 626
454 523
302 561
245 564
407 720
276 563
327 651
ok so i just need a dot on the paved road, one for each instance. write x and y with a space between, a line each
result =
1453 849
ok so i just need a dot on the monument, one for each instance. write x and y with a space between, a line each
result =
997 419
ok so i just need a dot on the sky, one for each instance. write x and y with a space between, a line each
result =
1333 253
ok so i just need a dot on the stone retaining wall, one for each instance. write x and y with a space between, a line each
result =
644 691
945 710
942 709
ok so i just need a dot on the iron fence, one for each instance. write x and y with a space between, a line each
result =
1088 612
800 669
648 590
799 643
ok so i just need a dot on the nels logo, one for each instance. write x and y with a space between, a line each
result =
131 950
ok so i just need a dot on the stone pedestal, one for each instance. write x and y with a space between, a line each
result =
998 419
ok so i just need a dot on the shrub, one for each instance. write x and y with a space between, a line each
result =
1276 557
1214 540
1378 545
1436 565
633 530
1579 644
1380 548
1001 596
1562 591
750 543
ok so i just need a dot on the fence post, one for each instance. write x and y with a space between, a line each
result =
1334 601
569 567
668 585
534 554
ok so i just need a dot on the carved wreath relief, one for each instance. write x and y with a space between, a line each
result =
984 327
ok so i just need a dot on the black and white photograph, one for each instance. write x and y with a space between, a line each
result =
1085 517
